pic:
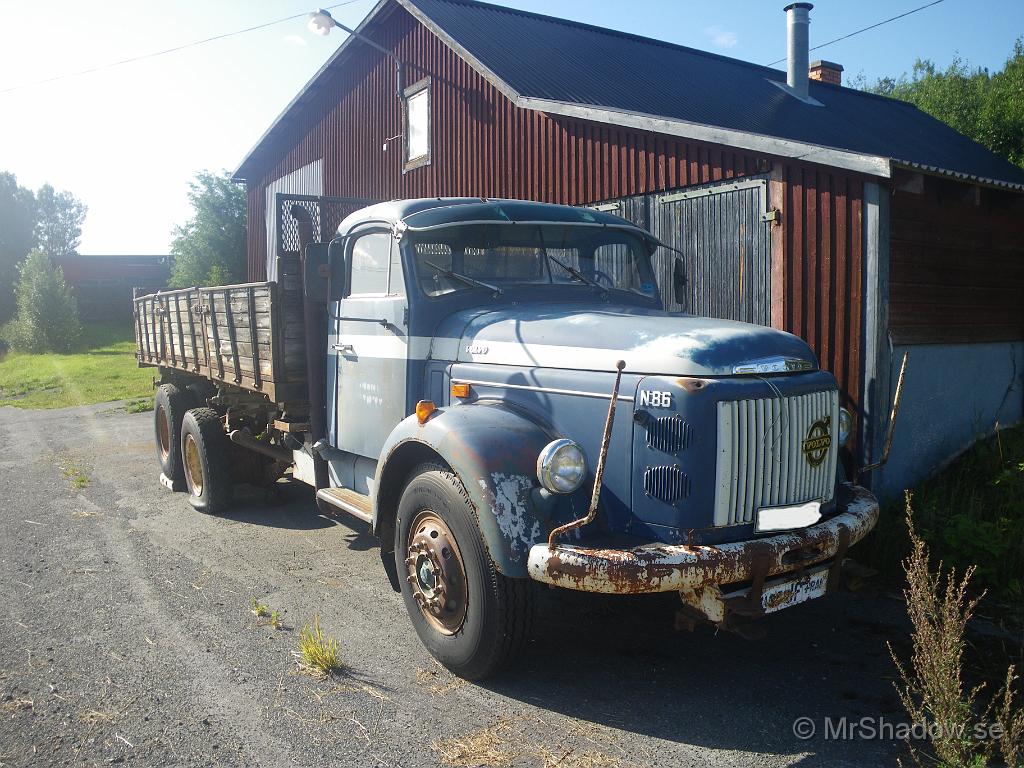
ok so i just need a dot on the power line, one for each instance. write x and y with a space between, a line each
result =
873 26
166 51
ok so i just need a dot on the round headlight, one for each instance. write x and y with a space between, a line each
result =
561 466
845 425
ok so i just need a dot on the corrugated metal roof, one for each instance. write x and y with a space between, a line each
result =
542 57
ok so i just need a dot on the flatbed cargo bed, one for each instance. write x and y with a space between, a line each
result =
250 336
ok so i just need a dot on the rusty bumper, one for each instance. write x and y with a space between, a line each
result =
678 568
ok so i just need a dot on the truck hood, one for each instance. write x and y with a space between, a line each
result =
649 341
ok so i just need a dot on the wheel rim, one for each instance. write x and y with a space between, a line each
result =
163 432
193 466
436 573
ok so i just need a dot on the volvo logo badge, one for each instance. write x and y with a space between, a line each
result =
815 446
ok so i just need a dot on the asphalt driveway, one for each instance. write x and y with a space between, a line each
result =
127 637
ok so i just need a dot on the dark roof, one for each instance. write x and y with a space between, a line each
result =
565 67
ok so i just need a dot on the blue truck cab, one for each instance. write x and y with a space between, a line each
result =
506 402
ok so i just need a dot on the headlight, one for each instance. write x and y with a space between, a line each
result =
561 466
845 425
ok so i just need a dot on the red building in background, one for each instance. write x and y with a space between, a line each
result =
103 284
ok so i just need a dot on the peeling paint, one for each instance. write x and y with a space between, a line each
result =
509 505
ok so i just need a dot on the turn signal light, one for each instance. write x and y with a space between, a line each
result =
460 390
423 410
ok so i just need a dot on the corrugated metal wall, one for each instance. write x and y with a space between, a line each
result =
823 229
483 145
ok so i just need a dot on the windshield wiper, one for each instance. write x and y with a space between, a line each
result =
576 274
464 278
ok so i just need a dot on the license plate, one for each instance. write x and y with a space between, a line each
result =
775 597
787 518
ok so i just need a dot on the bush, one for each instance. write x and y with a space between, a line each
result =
47 313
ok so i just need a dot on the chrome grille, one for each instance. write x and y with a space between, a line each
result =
669 434
667 483
761 462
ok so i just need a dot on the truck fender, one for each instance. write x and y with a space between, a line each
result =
494 452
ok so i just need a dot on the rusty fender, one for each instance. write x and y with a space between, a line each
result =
671 568
494 452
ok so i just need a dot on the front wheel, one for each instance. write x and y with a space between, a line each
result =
470 617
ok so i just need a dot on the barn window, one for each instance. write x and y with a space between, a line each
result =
417 124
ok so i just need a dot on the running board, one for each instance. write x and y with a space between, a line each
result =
347 500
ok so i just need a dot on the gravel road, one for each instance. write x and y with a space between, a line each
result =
128 637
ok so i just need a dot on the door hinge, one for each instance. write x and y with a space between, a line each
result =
774 216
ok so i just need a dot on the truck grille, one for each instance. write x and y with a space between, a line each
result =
761 453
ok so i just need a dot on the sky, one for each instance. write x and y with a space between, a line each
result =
127 139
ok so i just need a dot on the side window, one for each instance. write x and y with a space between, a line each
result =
371 257
417 124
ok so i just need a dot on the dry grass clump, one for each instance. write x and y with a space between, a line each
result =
960 732
569 758
318 652
484 746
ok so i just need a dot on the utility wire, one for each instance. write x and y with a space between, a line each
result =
175 49
873 26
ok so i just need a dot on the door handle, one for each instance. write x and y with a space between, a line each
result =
345 349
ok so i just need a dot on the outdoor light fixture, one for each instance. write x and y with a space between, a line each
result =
321 23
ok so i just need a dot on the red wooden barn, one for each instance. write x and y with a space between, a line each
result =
853 220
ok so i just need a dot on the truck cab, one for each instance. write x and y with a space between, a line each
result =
506 402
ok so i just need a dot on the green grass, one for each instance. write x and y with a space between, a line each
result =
971 513
102 369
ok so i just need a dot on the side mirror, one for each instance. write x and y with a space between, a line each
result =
679 283
337 268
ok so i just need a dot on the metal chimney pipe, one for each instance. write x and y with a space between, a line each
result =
797 21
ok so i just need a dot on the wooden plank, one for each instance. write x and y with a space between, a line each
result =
212 315
255 353
232 340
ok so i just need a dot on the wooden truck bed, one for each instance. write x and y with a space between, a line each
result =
250 336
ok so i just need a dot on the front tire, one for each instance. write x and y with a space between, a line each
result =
205 449
470 617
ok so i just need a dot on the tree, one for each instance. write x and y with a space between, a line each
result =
59 221
988 108
47 317
17 225
209 249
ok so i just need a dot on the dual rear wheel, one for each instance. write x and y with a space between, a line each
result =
193 448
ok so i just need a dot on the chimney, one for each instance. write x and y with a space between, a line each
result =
826 72
797 19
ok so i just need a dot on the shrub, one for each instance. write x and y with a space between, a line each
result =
931 686
47 313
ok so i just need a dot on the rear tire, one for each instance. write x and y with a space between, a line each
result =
478 620
205 451
169 407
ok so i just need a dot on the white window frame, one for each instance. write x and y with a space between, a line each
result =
415 90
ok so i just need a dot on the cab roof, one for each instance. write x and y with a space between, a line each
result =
427 213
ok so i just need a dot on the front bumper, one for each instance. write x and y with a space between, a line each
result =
697 572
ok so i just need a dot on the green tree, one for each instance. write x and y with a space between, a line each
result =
988 108
59 221
209 249
47 317
17 226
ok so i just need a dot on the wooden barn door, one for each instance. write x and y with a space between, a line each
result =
724 233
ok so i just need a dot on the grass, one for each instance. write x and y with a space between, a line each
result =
971 514
318 652
102 369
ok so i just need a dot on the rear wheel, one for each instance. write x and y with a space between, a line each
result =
205 449
470 617
169 407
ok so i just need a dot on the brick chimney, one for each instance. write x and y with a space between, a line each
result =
826 72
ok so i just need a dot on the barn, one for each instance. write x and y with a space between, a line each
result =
855 221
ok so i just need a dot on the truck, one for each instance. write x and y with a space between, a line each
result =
496 389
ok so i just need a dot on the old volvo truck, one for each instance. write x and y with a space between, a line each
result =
495 388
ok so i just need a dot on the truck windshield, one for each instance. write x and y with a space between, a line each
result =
530 254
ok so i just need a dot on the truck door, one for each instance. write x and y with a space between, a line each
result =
368 345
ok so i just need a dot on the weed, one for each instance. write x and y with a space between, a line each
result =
259 610
485 746
931 686
74 473
319 652
143 405
275 619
